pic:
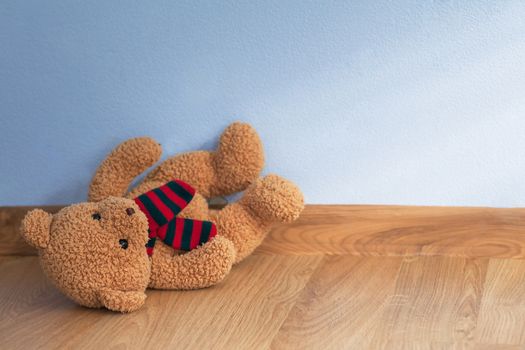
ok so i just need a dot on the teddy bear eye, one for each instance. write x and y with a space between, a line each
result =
96 216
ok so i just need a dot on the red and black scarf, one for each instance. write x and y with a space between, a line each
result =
161 205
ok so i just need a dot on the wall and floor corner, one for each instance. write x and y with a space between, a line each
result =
400 102
381 102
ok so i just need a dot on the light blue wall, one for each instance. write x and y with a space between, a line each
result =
409 102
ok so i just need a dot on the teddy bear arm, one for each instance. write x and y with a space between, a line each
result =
123 301
121 166
202 267
232 167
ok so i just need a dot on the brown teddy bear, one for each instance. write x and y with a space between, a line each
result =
95 252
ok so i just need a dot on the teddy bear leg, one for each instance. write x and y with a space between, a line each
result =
202 267
268 201
239 159
235 164
121 166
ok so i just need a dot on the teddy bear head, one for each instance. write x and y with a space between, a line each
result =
93 248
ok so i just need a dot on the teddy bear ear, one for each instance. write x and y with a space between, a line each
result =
35 228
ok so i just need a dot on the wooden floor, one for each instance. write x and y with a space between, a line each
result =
342 277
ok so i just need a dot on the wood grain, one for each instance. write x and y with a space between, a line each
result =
437 302
246 310
341 305
387 303
402 231
503 307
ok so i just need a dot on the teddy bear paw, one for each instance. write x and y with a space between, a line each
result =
123 301
275 199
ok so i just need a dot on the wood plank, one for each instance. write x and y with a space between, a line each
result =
497 347
34 313
383 303
401 231
246 310
341 305
437 302
502 319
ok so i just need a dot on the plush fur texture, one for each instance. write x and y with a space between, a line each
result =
83 257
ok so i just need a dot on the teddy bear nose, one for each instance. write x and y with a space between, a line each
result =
123 243
130 211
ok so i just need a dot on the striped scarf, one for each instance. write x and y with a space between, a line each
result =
161 205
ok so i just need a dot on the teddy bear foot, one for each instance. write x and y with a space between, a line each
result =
239 159
274 199
122 301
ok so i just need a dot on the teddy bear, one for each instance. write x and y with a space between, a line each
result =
100 253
